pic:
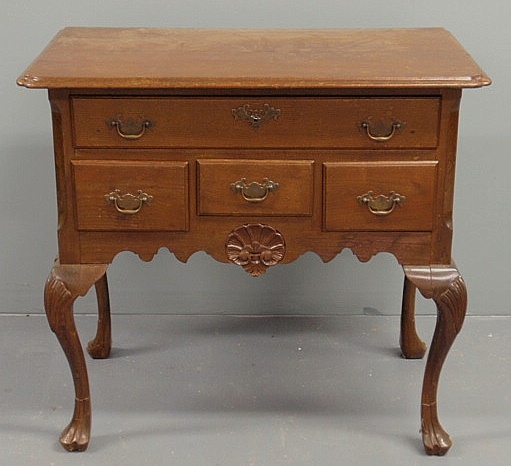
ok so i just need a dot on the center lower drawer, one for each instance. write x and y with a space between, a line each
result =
255 187
131 195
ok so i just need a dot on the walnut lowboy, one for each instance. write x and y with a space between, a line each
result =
255 151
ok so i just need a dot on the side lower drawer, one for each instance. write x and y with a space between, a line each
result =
131 195
379 196
255 187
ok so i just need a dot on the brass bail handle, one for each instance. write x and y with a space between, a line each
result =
381 205
128 204
396 125
254 191
130 128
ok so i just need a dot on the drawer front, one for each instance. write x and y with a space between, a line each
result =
131 195
373 123
379 196
255 187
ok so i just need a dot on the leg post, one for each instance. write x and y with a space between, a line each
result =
65 283
100 346
412 347
446 287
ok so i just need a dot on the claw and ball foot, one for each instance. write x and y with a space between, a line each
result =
445 286
65 283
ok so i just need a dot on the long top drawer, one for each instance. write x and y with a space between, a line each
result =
262 122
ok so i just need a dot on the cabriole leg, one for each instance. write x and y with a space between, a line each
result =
446 287
65 283
412 347
100 346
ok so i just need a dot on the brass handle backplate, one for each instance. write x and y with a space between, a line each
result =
381 204
254 191
255 117
374 130
128 203
130 128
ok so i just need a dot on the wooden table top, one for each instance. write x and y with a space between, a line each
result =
136 58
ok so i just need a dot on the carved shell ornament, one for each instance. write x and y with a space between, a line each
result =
255 247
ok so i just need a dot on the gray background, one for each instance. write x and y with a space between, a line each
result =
344 286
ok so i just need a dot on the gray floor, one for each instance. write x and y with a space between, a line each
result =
247 391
